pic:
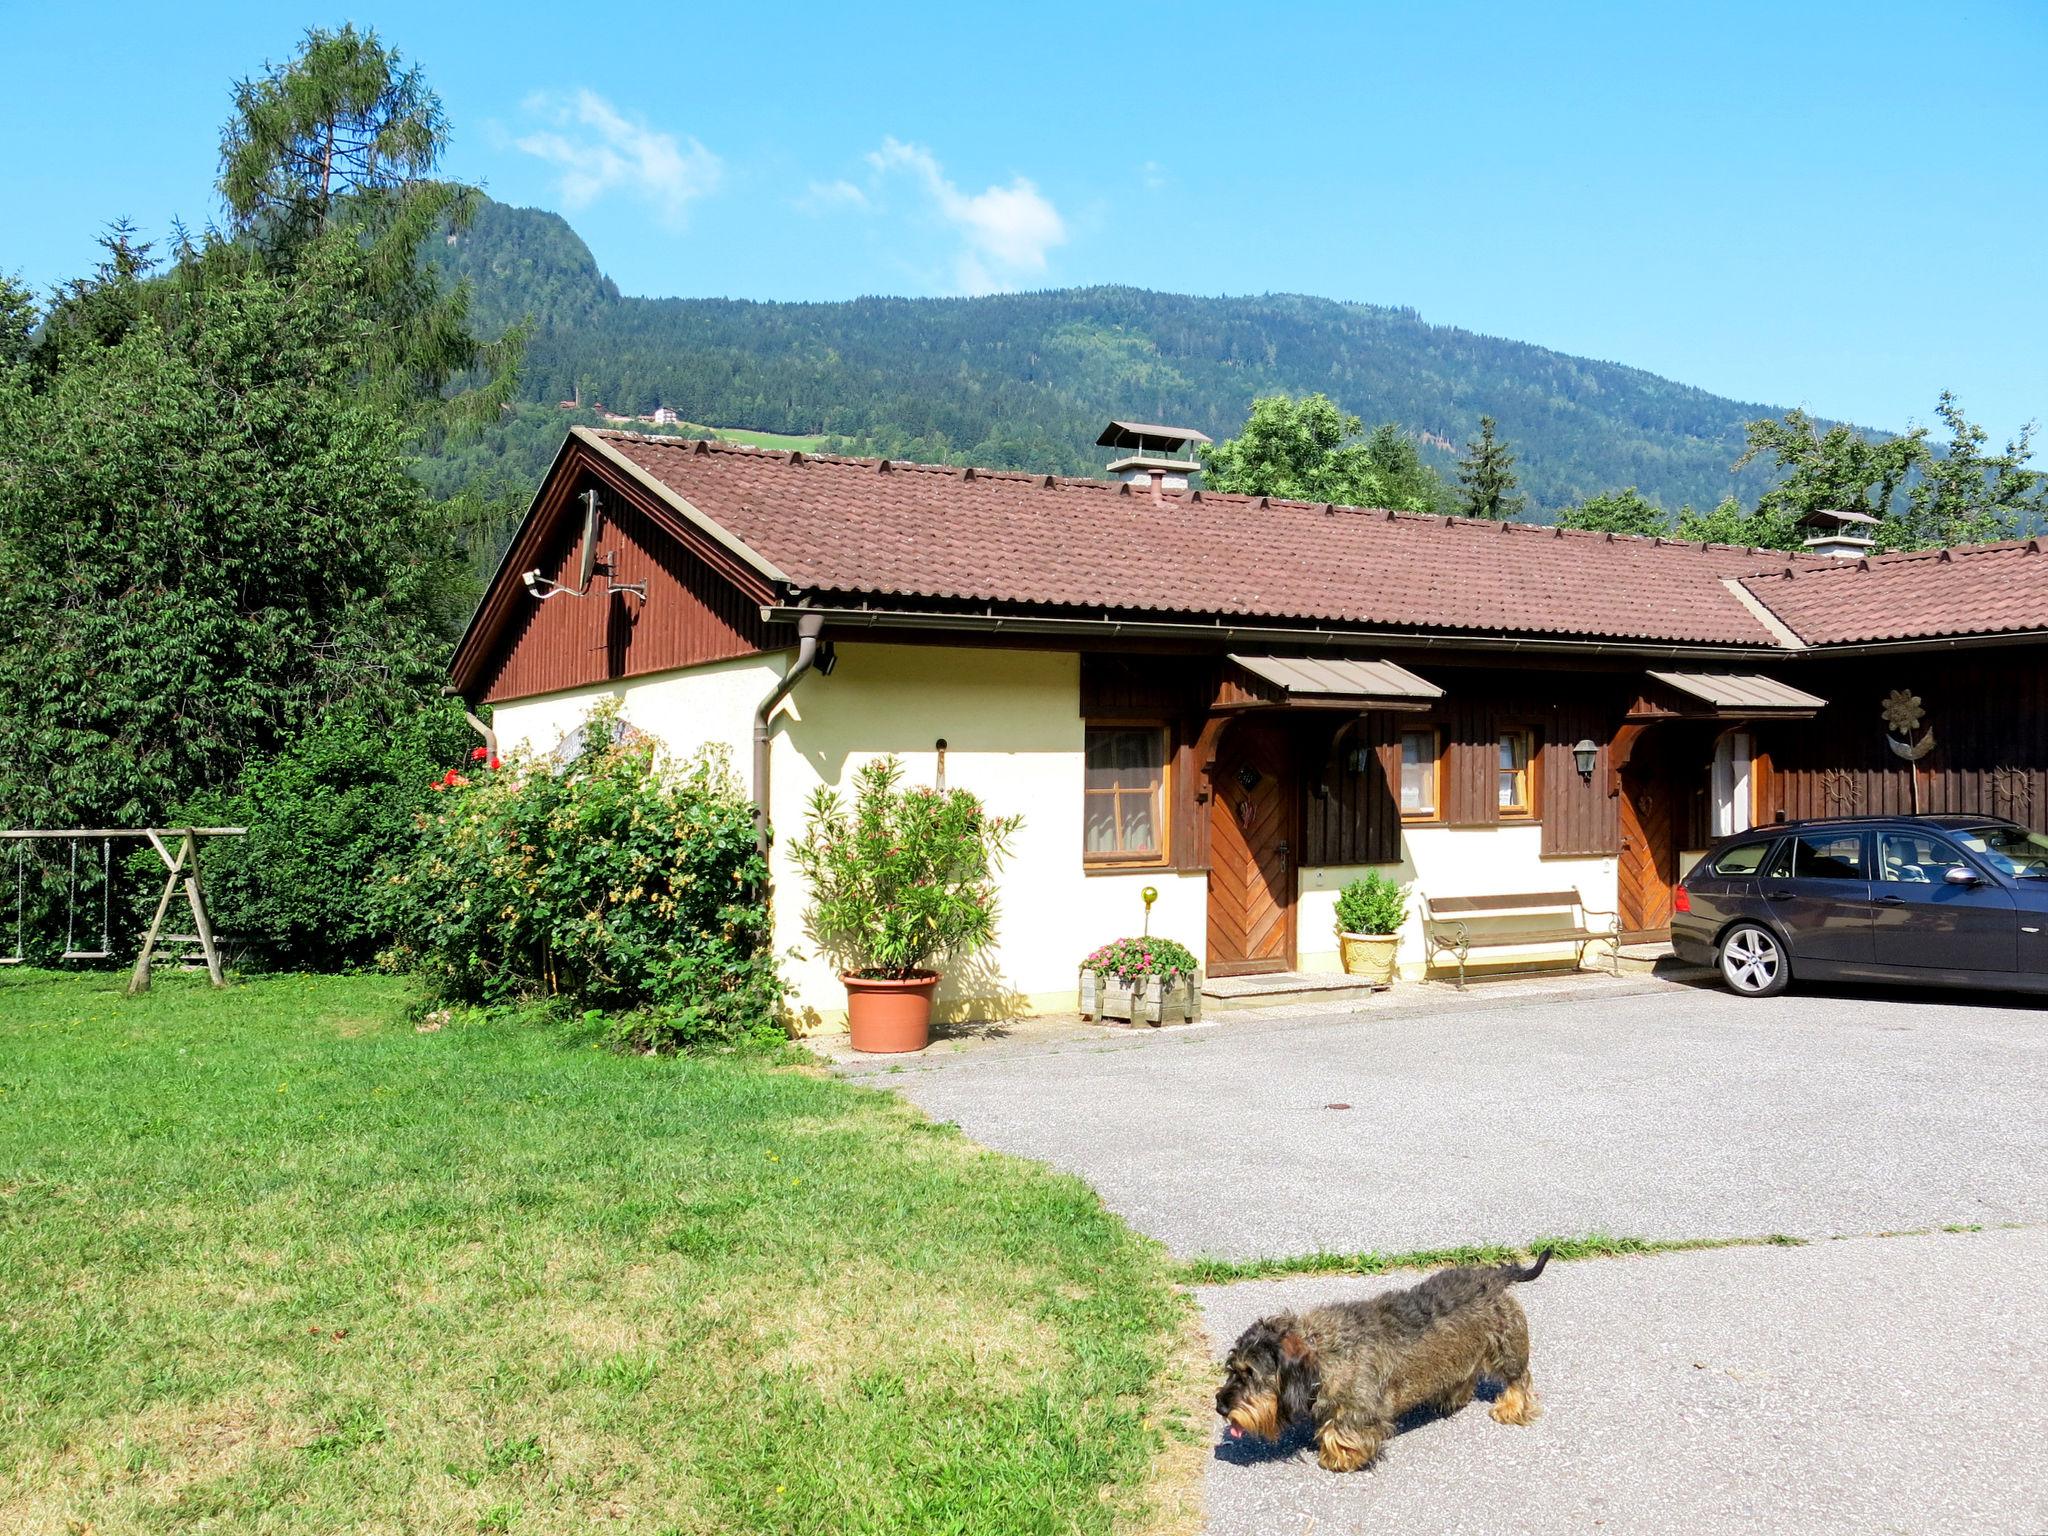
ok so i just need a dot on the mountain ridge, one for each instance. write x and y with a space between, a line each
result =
1025 380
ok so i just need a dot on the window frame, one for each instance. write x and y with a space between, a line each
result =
1531 756
1736 843
1794 841
1435 733
1160 857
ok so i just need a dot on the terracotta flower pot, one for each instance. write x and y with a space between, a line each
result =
884 1016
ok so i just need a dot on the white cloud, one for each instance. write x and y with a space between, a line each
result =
822 196
1006 231
601 150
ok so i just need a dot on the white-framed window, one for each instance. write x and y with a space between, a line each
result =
1734 804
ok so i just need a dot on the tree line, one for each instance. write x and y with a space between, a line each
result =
1920 494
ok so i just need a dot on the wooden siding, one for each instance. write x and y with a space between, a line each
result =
1989 714
1351 816
693 613
1580 818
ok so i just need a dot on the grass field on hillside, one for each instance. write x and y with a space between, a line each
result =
803 443
271 1259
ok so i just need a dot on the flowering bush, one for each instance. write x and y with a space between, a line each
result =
611 882
1131 960
904 879
1372 904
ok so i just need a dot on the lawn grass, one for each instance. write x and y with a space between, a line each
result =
272 1260
1596 1245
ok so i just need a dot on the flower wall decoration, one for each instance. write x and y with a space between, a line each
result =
1903 712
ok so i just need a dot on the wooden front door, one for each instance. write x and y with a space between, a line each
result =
1251 851
1649 840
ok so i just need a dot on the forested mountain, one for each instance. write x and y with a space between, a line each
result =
1027 379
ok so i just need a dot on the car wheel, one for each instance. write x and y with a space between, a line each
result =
1753 962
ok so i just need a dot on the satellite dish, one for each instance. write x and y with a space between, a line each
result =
587 562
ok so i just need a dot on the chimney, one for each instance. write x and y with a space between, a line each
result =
1164 456
1845 535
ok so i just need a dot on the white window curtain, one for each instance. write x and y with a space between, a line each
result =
1732 802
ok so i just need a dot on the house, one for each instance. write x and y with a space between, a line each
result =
1242 702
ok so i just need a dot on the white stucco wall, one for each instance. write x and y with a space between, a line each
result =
1454 861
1012 724
685 709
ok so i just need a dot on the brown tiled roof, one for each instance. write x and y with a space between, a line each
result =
929 534
1983 589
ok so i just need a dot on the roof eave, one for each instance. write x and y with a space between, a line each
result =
1232 631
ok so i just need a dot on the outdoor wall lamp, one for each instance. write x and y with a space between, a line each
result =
1586 754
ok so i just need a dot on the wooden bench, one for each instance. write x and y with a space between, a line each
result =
1536 917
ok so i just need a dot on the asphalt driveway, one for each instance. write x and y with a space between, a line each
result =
1880 1384
1652 1110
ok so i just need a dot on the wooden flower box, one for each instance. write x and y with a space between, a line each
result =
1153 1001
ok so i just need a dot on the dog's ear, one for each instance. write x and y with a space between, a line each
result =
1299 1378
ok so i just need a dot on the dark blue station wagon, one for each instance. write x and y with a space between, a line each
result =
1934 900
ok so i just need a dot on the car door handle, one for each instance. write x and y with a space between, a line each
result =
1891 901
1779 893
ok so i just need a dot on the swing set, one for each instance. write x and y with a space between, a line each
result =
182 866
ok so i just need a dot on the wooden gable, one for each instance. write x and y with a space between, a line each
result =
702 604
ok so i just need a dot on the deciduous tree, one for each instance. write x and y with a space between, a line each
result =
1627 511
1964 495
1839 470
1307 449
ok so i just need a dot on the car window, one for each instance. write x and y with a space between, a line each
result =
1915 858
1742 859
2012 851
1820 856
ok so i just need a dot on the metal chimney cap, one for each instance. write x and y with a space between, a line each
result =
1141 435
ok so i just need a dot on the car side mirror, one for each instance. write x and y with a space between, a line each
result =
1960 874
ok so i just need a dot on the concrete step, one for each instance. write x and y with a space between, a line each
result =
1223 994
1658 960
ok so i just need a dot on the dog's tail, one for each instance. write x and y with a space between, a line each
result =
1521 1276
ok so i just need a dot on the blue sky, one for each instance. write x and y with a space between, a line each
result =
1839 206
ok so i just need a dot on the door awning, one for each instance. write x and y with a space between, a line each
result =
1336 682
1741 695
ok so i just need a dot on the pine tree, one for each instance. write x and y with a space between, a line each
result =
341 144
1486 477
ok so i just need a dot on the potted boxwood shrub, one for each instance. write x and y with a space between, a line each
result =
1143 980
1370 912
899 883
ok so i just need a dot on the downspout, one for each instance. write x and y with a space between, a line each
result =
808 627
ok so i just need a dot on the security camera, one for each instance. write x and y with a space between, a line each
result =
532 580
